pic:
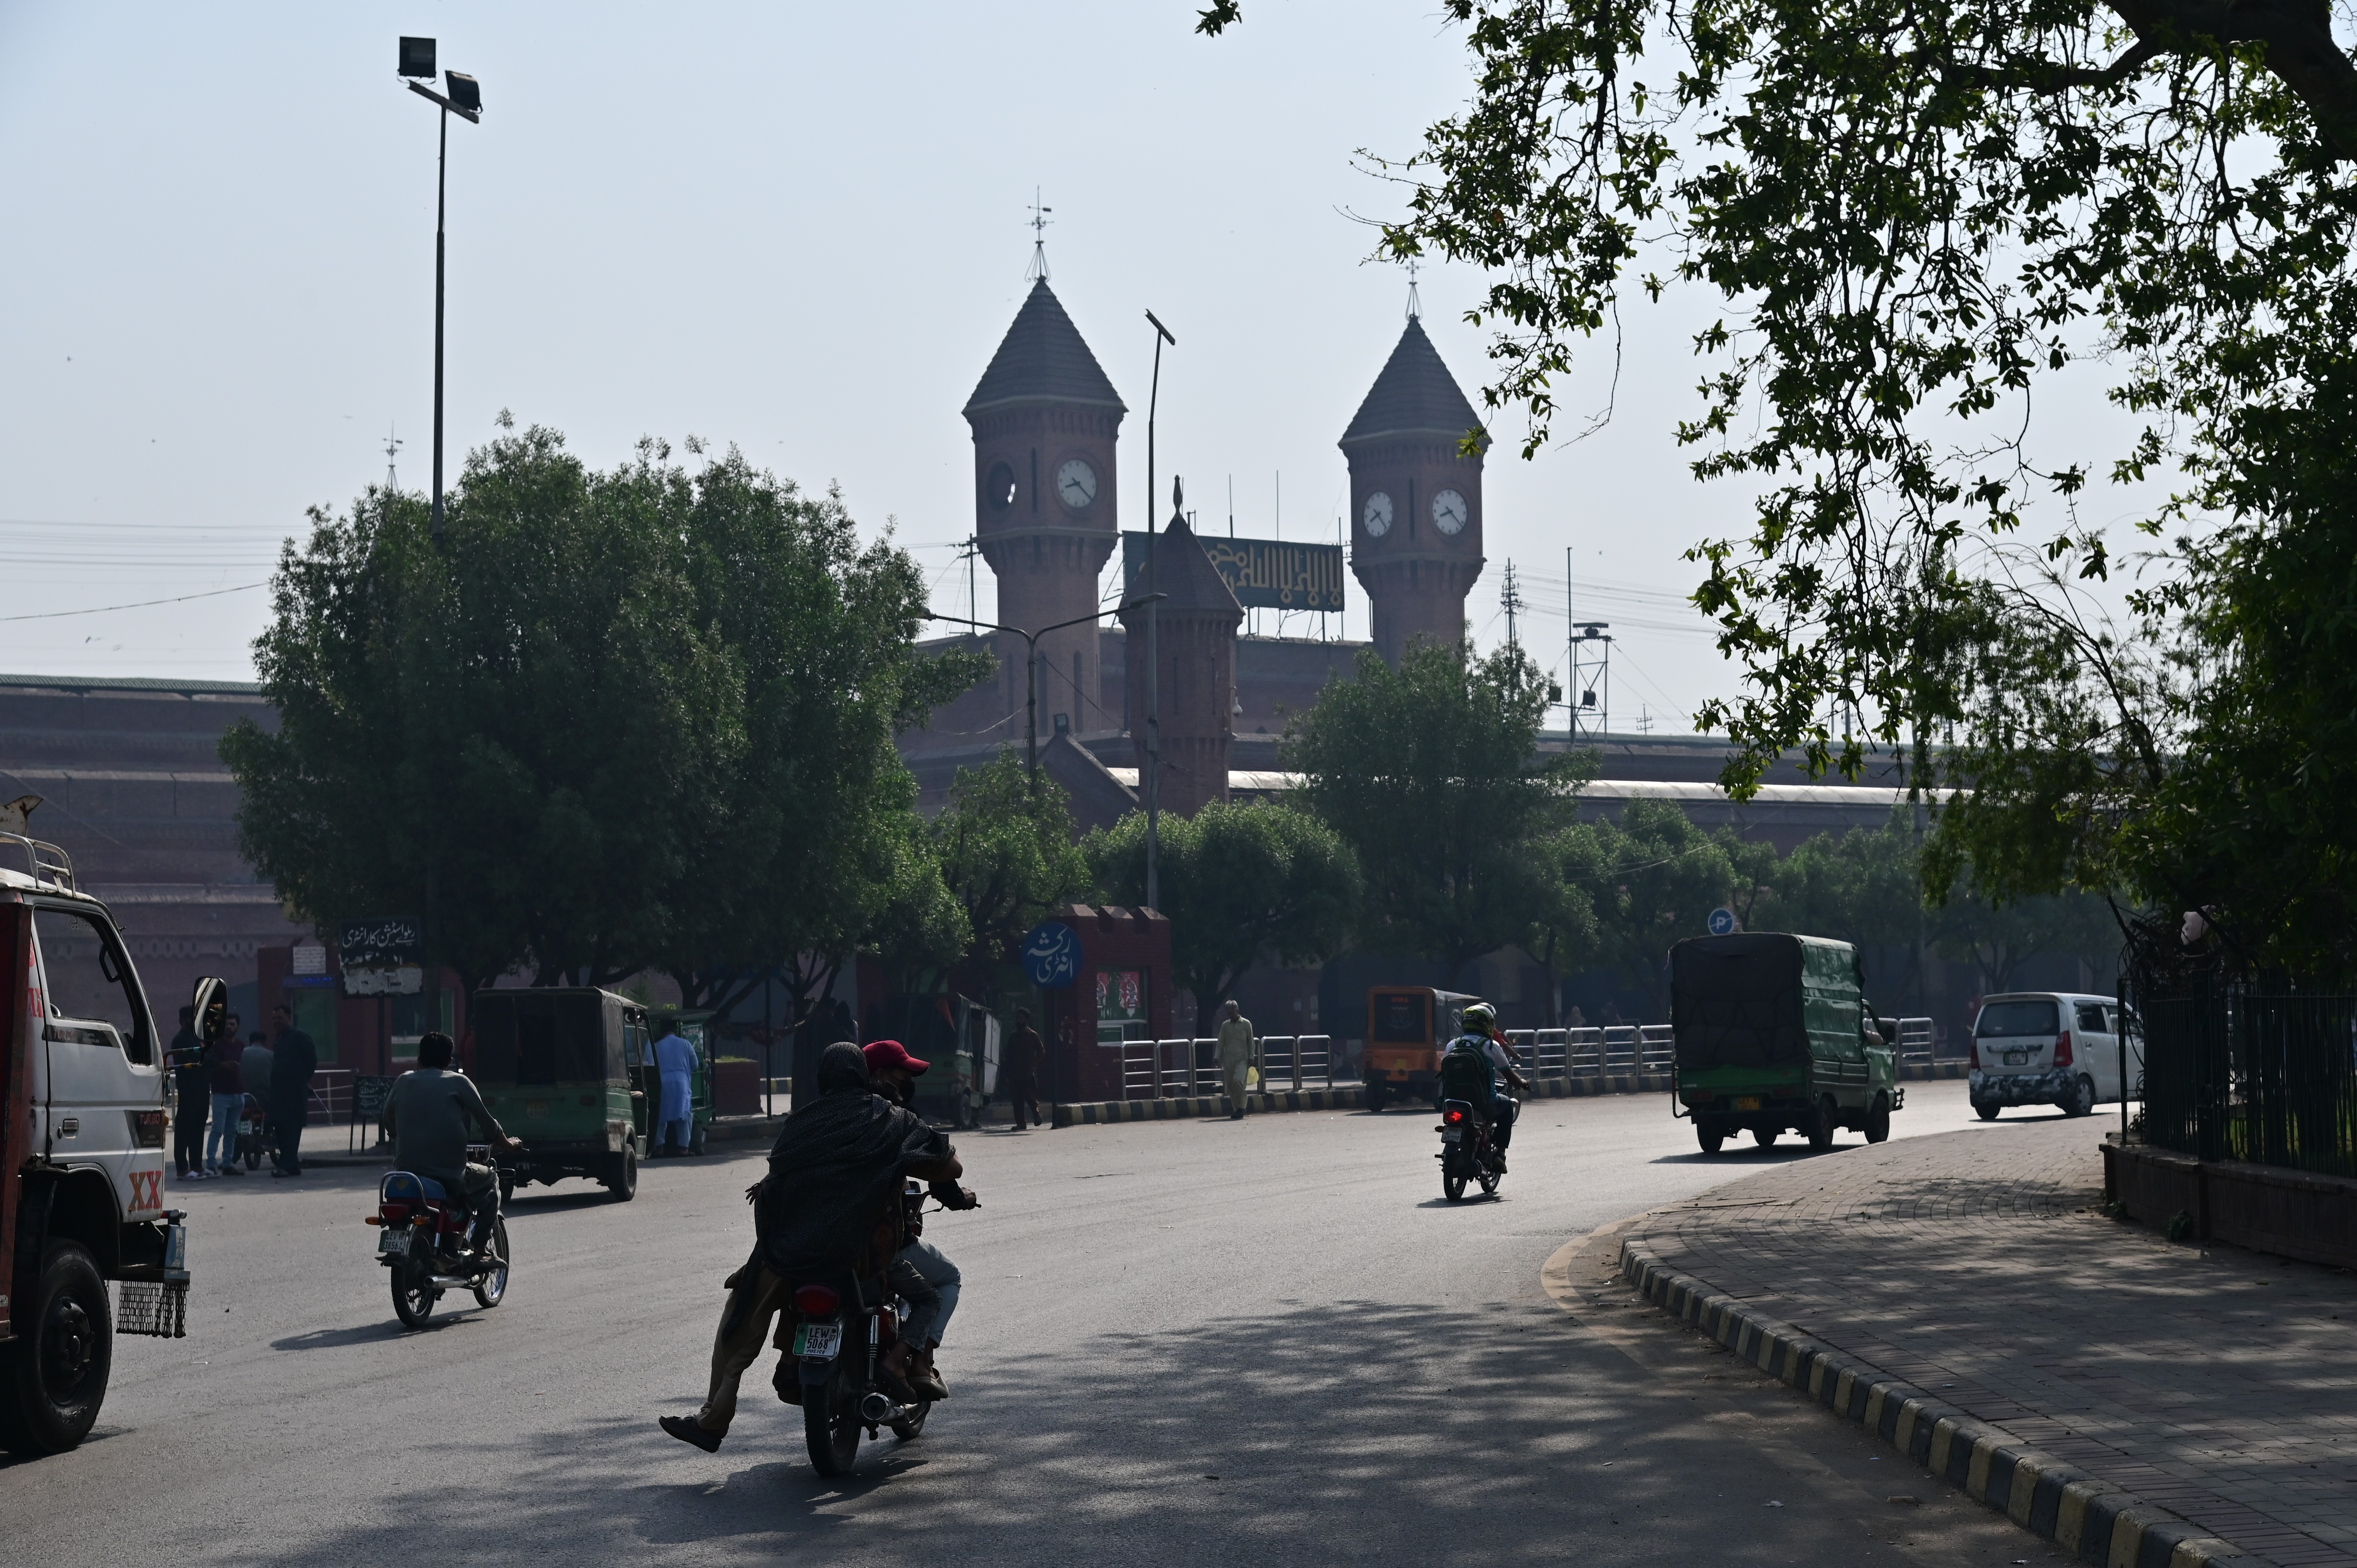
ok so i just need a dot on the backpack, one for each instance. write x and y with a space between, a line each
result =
1466 1072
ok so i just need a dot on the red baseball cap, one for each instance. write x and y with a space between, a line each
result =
883 1053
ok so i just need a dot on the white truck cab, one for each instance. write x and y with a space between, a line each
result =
84 1125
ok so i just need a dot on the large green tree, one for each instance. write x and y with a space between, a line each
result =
1921 221
1431 774
557 736
1241 884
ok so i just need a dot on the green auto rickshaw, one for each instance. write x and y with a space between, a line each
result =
559 1067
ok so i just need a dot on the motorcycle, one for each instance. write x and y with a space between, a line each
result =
249 1125
422 1233
838 1346
1465 1153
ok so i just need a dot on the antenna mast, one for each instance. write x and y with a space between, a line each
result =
392 445
1415 304
1038 271
1510 599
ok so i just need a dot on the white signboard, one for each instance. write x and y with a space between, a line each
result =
311 959
408 980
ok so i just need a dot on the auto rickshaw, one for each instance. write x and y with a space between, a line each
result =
557 1066
1407 1028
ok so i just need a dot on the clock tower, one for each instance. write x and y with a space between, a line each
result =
1416 498
1045 420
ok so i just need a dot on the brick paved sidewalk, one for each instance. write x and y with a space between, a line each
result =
2218 1384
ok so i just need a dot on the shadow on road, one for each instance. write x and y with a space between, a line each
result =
1307 1434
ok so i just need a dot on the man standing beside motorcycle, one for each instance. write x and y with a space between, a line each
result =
1481 1041
830 1205
428 1115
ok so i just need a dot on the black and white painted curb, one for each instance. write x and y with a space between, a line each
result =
2091 1522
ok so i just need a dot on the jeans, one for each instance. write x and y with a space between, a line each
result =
1503 1109
221 1141
188 1131
923 1274
285 1132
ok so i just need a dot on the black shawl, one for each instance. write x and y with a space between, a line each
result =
836 1171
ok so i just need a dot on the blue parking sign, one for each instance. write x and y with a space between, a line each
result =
1722 922
1051 955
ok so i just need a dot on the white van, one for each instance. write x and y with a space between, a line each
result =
2051 1047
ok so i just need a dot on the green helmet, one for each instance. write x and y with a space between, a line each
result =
1480 1018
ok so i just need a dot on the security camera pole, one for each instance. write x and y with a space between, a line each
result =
465 100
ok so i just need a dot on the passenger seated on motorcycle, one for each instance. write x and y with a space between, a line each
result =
920 1270
428 1115
1482 1042
829 1210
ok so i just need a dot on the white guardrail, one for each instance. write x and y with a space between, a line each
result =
1190 1068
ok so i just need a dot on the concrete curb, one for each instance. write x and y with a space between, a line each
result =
2090 1521
1094 1113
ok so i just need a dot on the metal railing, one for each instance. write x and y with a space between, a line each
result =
1190 1068
2243 1072
1915 1039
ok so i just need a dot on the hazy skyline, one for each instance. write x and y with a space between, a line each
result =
798 229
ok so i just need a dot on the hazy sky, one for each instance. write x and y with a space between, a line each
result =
797 228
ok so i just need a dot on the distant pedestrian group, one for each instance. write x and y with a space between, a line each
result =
224 1085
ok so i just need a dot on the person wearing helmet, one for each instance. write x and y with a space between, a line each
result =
1481 1041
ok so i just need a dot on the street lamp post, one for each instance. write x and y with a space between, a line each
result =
1153 779
1031 669
464 99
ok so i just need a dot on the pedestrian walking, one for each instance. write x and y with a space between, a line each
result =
1020 1069
675 1059
294 1059
1236 1043
225 1075
190 1099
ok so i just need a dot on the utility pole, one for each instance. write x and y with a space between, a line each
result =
1153 779
1510 599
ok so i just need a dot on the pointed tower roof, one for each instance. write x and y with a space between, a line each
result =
1043 358
1415 393
1185 578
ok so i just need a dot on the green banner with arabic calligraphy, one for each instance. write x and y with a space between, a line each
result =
1263 574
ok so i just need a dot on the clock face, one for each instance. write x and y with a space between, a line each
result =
1076 485
1450 513
1378 515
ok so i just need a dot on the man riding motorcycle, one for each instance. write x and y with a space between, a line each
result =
920 1270
428 1115
1478 1068
830 1203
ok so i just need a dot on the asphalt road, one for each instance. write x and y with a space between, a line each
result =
1182 1342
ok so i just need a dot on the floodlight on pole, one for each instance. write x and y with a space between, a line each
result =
1153 779
464 99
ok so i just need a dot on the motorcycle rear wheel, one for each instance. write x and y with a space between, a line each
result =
493 1286
1452 1186
413 1294
830 1428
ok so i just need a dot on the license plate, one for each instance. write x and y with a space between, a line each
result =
392 1240
819 1341
1452 1136
2016 1059
245 1129
1746 1102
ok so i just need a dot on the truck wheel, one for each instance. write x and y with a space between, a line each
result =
1877 1121
1709 1137
1821 1127
57 1372
1378 1095
1766 1136
621 1176
1987 1109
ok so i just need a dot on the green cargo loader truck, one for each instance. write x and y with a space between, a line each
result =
1773 1034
